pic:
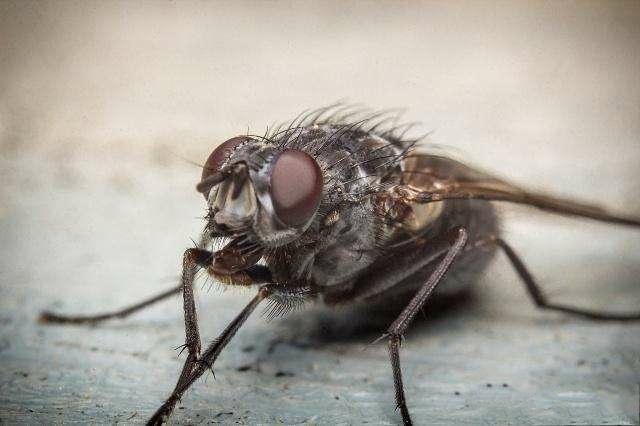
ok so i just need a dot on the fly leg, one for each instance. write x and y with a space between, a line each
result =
209 356
193 258
538 297
199 255
199 366
47 317
458 239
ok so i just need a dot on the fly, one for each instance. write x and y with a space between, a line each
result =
340 210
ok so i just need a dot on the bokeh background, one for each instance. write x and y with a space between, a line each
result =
103 103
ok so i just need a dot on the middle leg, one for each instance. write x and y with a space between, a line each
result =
456 242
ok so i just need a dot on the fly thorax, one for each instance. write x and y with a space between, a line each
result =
348 245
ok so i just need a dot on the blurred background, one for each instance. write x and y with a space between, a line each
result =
103 103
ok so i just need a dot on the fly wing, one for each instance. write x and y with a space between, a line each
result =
429 178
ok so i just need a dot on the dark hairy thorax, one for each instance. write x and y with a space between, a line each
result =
366 217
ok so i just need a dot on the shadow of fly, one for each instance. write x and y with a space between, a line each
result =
340 209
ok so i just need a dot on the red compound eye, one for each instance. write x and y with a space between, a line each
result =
219 156
296 187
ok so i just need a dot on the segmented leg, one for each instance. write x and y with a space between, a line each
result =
193 259
400 325
209 356
47 317
198 257
538 297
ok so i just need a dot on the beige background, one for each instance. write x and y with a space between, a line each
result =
101 101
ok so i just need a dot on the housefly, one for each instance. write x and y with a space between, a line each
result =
342 210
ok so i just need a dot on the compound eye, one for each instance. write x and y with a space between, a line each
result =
296 187
218 157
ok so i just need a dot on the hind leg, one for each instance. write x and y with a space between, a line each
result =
537 295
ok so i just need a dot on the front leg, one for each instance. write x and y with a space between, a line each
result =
280 294
193 259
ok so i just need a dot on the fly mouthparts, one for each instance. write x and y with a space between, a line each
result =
240 175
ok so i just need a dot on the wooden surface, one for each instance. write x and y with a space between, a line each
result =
99 103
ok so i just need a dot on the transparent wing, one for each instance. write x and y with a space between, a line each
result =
429 178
